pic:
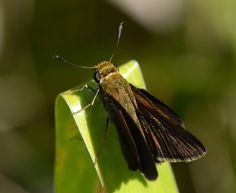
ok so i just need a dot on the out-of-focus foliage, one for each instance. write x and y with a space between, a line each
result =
187 54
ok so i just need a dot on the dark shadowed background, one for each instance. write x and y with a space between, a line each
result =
186 50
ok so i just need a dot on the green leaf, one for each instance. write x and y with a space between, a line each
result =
79 137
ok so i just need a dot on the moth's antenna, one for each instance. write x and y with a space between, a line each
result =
63 60
118 39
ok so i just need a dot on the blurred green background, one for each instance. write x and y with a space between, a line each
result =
186 50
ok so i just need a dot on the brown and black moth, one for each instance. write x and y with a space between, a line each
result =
149 131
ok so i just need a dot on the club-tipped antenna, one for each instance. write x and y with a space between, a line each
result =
118 39
63 60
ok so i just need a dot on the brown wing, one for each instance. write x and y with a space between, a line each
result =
157 107
133 145
164 130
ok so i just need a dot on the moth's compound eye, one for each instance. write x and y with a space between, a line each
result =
96 76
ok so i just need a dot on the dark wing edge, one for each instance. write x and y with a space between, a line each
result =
133 145
159 107
164 131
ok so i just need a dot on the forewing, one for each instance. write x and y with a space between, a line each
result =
164 131
156 106
134 147
127 143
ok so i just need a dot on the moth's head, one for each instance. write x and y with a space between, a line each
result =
103 70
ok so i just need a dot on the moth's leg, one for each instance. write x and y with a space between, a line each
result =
82 87
91 89
103 140
90 104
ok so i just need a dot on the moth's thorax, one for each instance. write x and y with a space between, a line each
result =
106 69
